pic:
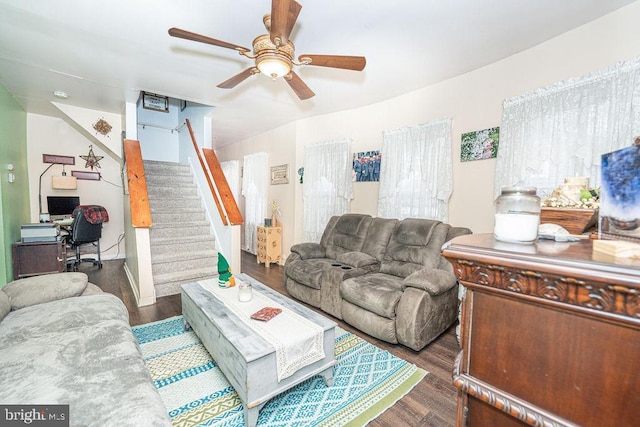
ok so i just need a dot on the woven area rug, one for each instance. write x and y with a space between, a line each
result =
367 381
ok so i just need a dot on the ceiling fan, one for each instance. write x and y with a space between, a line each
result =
274 53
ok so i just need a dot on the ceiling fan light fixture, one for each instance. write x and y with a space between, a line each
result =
273 66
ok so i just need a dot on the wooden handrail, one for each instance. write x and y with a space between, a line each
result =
204 168
228 201
138 197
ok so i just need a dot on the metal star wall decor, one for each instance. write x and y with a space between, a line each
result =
91 159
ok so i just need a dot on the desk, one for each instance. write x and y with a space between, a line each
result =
64 222
550 334
32 259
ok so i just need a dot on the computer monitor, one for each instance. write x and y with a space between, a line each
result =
62 206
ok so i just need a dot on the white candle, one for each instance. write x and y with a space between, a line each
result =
516 228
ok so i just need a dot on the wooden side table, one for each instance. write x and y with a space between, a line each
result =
269 245
32 259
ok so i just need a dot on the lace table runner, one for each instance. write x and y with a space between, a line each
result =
298 341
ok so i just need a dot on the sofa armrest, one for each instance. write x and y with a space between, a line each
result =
357 259
40 289
434 281
309 250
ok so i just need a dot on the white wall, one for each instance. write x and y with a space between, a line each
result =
157 142
473 100
49 135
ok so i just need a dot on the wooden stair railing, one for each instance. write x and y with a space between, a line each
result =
137 182
225 202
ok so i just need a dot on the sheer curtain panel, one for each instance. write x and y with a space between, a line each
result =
416 172
254 189
328 186
562 130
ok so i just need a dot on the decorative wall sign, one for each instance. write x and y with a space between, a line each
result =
151 101
102 127
91 159
58 159
91 176
280 174
366 166
481 144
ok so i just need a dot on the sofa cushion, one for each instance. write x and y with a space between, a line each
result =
348 234
415 244
378 236
307 272
40 289
356 259
375 292
81 352
5 305
432 280
309 250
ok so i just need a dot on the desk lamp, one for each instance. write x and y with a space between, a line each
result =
62 182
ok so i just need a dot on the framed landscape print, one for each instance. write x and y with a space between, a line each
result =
481 144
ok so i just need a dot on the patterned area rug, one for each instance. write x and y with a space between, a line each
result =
367 381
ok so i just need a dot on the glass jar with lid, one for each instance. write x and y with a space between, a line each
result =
517 215
245 292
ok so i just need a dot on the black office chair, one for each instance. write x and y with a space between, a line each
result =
86 230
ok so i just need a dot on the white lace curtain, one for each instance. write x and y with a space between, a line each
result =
328 186
562 130
254 189
416 172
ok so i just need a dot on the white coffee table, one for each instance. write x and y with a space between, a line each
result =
244 357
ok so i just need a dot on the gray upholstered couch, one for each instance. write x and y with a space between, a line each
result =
383 276
64 341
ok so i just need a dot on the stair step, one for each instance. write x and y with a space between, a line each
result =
184 256
159 204
184 244
178 217
172 192
168 180
170 283
165 267
179 230
165 168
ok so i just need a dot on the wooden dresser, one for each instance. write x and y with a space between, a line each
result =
269 245
550 334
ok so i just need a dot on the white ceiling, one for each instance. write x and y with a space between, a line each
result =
102 53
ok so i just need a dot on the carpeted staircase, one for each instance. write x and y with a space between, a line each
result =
182 246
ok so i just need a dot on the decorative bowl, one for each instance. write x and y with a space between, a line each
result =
574 220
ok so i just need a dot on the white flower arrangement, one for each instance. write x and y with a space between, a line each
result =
275 207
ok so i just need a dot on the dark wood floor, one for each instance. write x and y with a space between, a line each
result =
430 403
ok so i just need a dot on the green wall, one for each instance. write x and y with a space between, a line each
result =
14 198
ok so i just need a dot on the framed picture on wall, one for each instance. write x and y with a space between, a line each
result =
151 101
481 144
280 174
366 166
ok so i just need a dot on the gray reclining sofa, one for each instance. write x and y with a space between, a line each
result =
383 276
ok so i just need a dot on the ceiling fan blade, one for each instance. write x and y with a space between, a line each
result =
188 35
355 63
298 86
284 14
238 78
